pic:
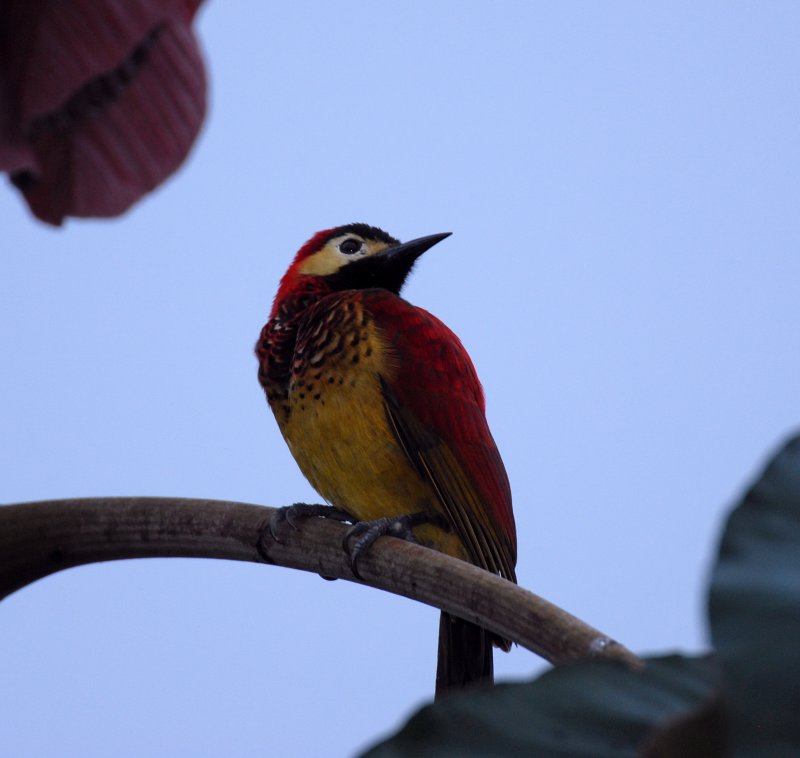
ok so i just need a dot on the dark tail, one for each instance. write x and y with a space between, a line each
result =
465 656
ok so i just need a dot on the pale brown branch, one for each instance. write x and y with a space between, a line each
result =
37 539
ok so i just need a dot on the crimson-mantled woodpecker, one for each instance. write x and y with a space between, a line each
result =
383 411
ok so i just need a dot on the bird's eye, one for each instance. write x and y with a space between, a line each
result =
350 246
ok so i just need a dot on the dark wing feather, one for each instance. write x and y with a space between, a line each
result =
434 404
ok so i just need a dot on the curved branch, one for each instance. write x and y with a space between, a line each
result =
37 539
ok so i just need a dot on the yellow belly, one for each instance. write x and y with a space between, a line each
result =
339 435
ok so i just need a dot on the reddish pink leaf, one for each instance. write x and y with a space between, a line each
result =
100 100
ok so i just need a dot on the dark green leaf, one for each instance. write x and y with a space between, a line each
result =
592 709
755 611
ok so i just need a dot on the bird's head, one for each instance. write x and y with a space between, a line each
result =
355 256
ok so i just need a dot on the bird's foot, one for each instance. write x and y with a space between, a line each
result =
289 514
366 532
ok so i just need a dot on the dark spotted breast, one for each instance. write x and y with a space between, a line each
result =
303 357
332 339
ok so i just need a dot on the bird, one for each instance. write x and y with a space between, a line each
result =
382 409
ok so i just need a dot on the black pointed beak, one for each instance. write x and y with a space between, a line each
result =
387 269
395 262
408 252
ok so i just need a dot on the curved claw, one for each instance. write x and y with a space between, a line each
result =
277 518
369 531
290 513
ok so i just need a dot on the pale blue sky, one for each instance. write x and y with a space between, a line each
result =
622 181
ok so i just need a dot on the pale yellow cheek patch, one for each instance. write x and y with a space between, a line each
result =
325 262
329 260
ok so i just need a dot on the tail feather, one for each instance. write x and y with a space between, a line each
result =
465 656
